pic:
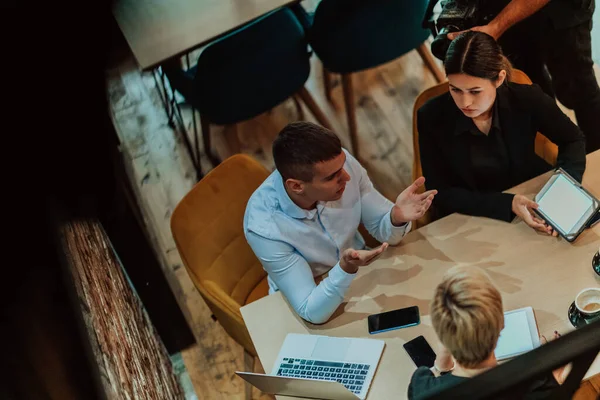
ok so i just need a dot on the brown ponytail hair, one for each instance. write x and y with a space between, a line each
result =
476 54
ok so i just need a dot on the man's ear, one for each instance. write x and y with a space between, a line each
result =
295 186
501 78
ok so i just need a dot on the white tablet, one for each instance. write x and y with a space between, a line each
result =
565 205
520 334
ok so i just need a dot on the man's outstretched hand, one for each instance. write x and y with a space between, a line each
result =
410 204
353 259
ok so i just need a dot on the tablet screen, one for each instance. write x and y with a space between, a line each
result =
565 204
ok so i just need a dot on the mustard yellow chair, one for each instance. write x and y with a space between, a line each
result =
207 226
543 146
417 170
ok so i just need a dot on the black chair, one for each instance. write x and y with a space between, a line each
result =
350 36
246 73
512 379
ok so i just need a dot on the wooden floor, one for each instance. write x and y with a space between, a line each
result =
162 174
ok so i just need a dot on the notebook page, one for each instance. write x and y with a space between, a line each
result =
515 337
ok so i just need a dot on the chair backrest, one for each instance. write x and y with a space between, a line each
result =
417 170
253 69
207 226
514 379
353 35
543 147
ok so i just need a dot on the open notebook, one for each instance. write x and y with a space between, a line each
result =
520 334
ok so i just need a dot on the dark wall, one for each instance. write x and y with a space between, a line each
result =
59 145
54 122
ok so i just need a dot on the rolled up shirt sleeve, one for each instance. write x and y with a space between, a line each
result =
376 209
293 277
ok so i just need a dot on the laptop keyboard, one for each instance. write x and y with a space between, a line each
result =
352 376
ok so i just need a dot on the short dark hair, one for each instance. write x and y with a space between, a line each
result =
476 54
301 145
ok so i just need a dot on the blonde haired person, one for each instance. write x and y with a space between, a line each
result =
467 316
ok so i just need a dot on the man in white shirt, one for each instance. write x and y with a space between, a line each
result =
302 221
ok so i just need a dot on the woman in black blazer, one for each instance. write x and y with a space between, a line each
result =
479 139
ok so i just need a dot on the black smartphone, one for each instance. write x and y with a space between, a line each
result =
395 319
420 351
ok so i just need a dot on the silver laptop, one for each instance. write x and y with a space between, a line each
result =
322 367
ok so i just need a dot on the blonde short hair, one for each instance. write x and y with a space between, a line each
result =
467 315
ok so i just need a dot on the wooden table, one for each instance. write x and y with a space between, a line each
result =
529 269
158 30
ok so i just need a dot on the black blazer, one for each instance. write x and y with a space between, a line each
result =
523 110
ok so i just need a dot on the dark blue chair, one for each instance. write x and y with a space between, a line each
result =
354 35
246 73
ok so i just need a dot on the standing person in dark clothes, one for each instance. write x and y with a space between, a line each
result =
551 42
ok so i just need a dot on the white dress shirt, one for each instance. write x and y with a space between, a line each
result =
296 245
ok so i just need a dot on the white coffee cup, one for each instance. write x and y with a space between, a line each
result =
588 301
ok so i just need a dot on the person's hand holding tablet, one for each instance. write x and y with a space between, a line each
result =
523 208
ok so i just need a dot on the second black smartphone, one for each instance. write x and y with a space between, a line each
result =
395 319
420 352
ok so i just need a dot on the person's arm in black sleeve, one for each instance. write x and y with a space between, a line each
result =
559 129
452 198
421 380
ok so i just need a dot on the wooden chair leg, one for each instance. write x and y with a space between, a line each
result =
351 112
430 63
205 123
299 110
314 108
232 139
327 83
267 130
248 366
